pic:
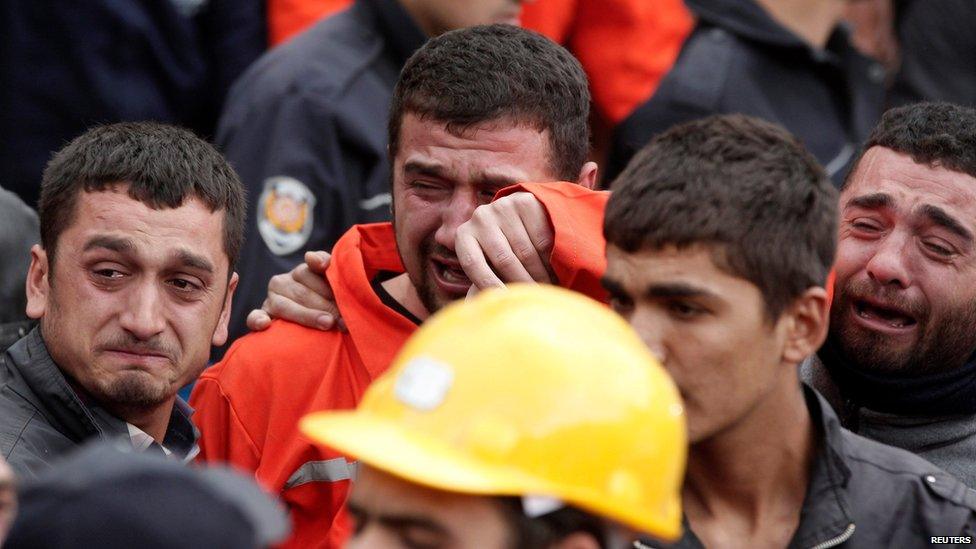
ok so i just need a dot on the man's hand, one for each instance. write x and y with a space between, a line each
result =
509 240
302 295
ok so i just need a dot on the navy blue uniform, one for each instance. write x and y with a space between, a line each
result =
66 65
305 128
739 60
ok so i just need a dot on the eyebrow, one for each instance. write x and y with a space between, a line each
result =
195 261
125 245
942 218
113 243
871 201
424 168
660 291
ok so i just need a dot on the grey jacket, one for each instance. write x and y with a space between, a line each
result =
865 494
42 417
947 441
19 230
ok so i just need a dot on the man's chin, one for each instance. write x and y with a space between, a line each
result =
872 351
136 390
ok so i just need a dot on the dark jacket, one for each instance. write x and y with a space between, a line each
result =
305 128
739 60
946 438
19 231
66 65
866 494
43 417
936 44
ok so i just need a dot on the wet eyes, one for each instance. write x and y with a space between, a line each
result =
112 277
110 274
183 285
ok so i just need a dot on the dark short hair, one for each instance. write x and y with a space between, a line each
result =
498 72
162 165
935 134
746 187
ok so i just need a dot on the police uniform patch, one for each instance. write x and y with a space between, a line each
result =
284 214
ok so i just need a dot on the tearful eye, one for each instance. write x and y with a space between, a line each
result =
938 249
183 285
109 273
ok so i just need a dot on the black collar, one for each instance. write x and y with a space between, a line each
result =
932 395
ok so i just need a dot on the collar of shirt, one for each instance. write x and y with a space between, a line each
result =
141 440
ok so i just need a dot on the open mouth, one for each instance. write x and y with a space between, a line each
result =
884 315
450 275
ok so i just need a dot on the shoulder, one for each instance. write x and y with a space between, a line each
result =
881 473
285 348
27 441
316 66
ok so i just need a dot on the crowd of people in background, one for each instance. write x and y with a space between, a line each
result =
285 274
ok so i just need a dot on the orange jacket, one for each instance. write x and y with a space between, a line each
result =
248 405
625 46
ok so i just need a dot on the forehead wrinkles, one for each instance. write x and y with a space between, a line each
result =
910 184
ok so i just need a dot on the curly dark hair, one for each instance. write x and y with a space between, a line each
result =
499 72
935 134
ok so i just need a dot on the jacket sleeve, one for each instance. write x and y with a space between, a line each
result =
579 251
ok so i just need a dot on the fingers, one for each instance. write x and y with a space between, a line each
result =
506 241
302 296
279 307
472 259
315 283
318 261
258 320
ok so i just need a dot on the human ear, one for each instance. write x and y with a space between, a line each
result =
38 282
587 175
808 321
220 333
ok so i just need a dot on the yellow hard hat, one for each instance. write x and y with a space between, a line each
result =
526 391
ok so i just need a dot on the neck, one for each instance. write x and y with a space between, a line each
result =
152 422
751 479
420 17
811 20
402 290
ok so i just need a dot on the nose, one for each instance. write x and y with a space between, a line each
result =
143 316
889 264
651 331
455 212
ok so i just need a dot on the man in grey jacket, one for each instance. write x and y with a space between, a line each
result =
131 285
899 365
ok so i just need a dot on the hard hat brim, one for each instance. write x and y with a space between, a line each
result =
395 449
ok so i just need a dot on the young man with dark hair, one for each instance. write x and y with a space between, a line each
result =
720 235
899 363
305 127
141 224
475 110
